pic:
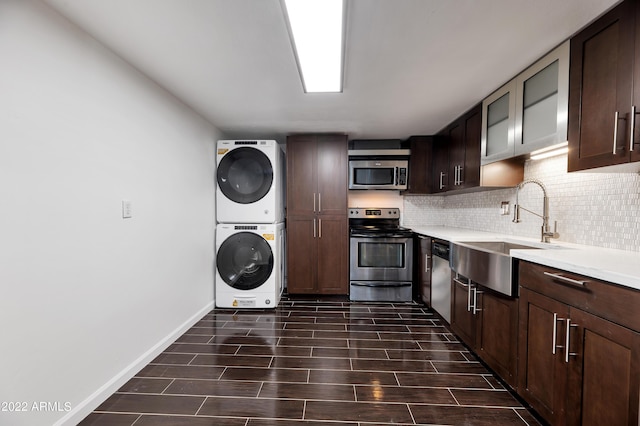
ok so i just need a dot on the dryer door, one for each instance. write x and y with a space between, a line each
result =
245 261
245 175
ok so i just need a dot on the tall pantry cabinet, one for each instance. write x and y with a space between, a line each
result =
317 228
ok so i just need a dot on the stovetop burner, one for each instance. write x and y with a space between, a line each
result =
376 222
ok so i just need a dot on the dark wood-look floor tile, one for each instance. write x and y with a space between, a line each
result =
299 351
312 363
186 372
266 374
367 335
277 422
213 388
488 398
314 326
357 353
194 338
383 344
462 381
143 403
252 407
455 415
442 346
327 343
109 419
145 385
245 340
308 391
460 367
149 420
392 365
198 348
426 355
418 395
357 411
378 328
173 358
232 360
352 377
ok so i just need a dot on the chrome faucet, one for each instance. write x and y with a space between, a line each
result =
546 234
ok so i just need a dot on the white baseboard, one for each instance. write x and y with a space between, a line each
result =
85 408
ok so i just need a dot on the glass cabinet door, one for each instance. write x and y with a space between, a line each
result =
542 101
498 121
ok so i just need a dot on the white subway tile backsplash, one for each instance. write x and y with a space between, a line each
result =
598 209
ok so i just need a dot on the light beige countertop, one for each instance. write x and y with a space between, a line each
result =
615 266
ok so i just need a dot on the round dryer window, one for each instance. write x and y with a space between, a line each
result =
245 261
245 175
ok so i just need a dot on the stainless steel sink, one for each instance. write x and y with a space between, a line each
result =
488 263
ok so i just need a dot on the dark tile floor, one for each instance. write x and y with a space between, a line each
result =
314 362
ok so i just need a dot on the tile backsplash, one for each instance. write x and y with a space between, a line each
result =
597 209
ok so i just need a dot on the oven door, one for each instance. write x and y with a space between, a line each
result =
381 259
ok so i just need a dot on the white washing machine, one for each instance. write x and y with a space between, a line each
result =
250 182
249 265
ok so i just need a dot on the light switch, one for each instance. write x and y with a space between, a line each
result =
126 209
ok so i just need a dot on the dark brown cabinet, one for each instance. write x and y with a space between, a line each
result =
604 91
464 138
317 229
420 164
488 323
579 360
440 164
424 269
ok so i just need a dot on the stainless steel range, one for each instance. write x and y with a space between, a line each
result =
380 256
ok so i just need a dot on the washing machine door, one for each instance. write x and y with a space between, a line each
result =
245 261
245 175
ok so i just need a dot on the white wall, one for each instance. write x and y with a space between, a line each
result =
88 297
598 209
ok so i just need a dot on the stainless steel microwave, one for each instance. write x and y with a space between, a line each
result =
378 174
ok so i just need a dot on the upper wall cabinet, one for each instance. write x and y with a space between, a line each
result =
605 93
529 112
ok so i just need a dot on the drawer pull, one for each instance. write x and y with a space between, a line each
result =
565 279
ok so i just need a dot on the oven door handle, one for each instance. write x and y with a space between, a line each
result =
384 284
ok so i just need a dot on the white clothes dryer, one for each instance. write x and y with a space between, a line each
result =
249 265
250 182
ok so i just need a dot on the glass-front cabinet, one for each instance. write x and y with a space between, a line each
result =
529 112
498 121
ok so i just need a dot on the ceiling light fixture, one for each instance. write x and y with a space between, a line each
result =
316 28
551 151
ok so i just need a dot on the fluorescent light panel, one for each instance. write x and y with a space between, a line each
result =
317 31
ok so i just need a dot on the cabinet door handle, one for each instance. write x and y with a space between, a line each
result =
566 279
567 343
314 228
475 300
319 228
441 180
426 262
319 202
633 125
314 203
555 333
615 131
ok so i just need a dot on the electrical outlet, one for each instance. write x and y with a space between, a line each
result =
504 208
126 209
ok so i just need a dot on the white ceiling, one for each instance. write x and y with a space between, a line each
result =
411 66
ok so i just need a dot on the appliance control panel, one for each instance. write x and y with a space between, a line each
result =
374 213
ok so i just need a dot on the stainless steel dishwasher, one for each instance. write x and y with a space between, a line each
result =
441 279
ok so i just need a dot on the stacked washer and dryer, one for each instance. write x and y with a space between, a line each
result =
250 234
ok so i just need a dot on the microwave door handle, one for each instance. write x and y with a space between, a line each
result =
397 176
